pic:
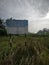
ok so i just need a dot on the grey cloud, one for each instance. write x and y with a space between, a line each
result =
24 9
42 6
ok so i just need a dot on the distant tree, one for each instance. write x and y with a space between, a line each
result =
2 28
9 18
1 21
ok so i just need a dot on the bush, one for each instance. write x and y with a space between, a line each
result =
3 32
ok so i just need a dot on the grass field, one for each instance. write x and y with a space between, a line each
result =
24 50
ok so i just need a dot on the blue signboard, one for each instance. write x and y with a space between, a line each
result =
16 23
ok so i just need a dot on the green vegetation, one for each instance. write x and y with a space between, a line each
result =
24 50
2 28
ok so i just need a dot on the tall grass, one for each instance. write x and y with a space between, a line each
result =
24 50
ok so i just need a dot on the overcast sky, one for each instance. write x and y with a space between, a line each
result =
36 11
